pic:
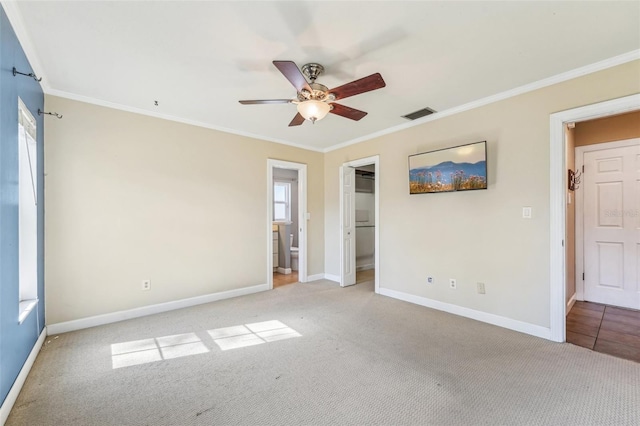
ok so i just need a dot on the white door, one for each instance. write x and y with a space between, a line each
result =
612 226
348 273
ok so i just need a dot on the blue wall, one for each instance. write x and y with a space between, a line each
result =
16 340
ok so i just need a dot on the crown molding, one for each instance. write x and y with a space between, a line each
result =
135 110
558 78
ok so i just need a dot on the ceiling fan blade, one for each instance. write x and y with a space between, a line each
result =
365 84
265 101
291 71
347 112
297 120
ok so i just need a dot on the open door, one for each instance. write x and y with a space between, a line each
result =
348 273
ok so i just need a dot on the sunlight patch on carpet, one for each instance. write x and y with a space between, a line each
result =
137 352
155 349
251 334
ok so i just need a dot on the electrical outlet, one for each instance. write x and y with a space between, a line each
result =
430 280
452 283
146 285
481 288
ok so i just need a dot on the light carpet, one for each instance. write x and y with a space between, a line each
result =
337 356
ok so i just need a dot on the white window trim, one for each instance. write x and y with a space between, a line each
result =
28 290
25 307
287 203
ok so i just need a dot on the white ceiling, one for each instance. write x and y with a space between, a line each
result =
197 59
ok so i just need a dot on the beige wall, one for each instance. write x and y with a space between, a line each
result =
608 129
477 235
131 197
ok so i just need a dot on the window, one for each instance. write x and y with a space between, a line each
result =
27 212
282 201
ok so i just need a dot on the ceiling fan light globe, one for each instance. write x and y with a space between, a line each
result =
313 110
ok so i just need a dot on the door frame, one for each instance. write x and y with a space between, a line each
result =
579 199
302 217
375 160
558 200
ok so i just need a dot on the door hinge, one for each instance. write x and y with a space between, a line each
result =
583 276
583 168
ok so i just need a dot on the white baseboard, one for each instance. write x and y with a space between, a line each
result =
511 324
12 396
315 277
79 324
331 277
285 271
365 267
570 303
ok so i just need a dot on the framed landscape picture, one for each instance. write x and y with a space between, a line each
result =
461 168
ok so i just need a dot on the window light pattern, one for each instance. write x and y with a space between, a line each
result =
156 349
137 352
240 336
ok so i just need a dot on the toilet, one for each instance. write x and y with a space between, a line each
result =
294 254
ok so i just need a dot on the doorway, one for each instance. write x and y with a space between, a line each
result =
559 197
603 311
360 222
286 223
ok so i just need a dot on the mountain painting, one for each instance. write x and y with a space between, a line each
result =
461 168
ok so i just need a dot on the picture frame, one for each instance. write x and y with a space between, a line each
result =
458 168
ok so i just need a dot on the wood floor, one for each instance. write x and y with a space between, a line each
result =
284 279
606 329
365 276
292 278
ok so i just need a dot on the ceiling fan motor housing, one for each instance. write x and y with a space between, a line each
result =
319 92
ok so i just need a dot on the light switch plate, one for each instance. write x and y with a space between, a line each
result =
527 212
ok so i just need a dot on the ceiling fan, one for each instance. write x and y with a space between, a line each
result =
314 100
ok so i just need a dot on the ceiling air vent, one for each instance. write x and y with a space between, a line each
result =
419 114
